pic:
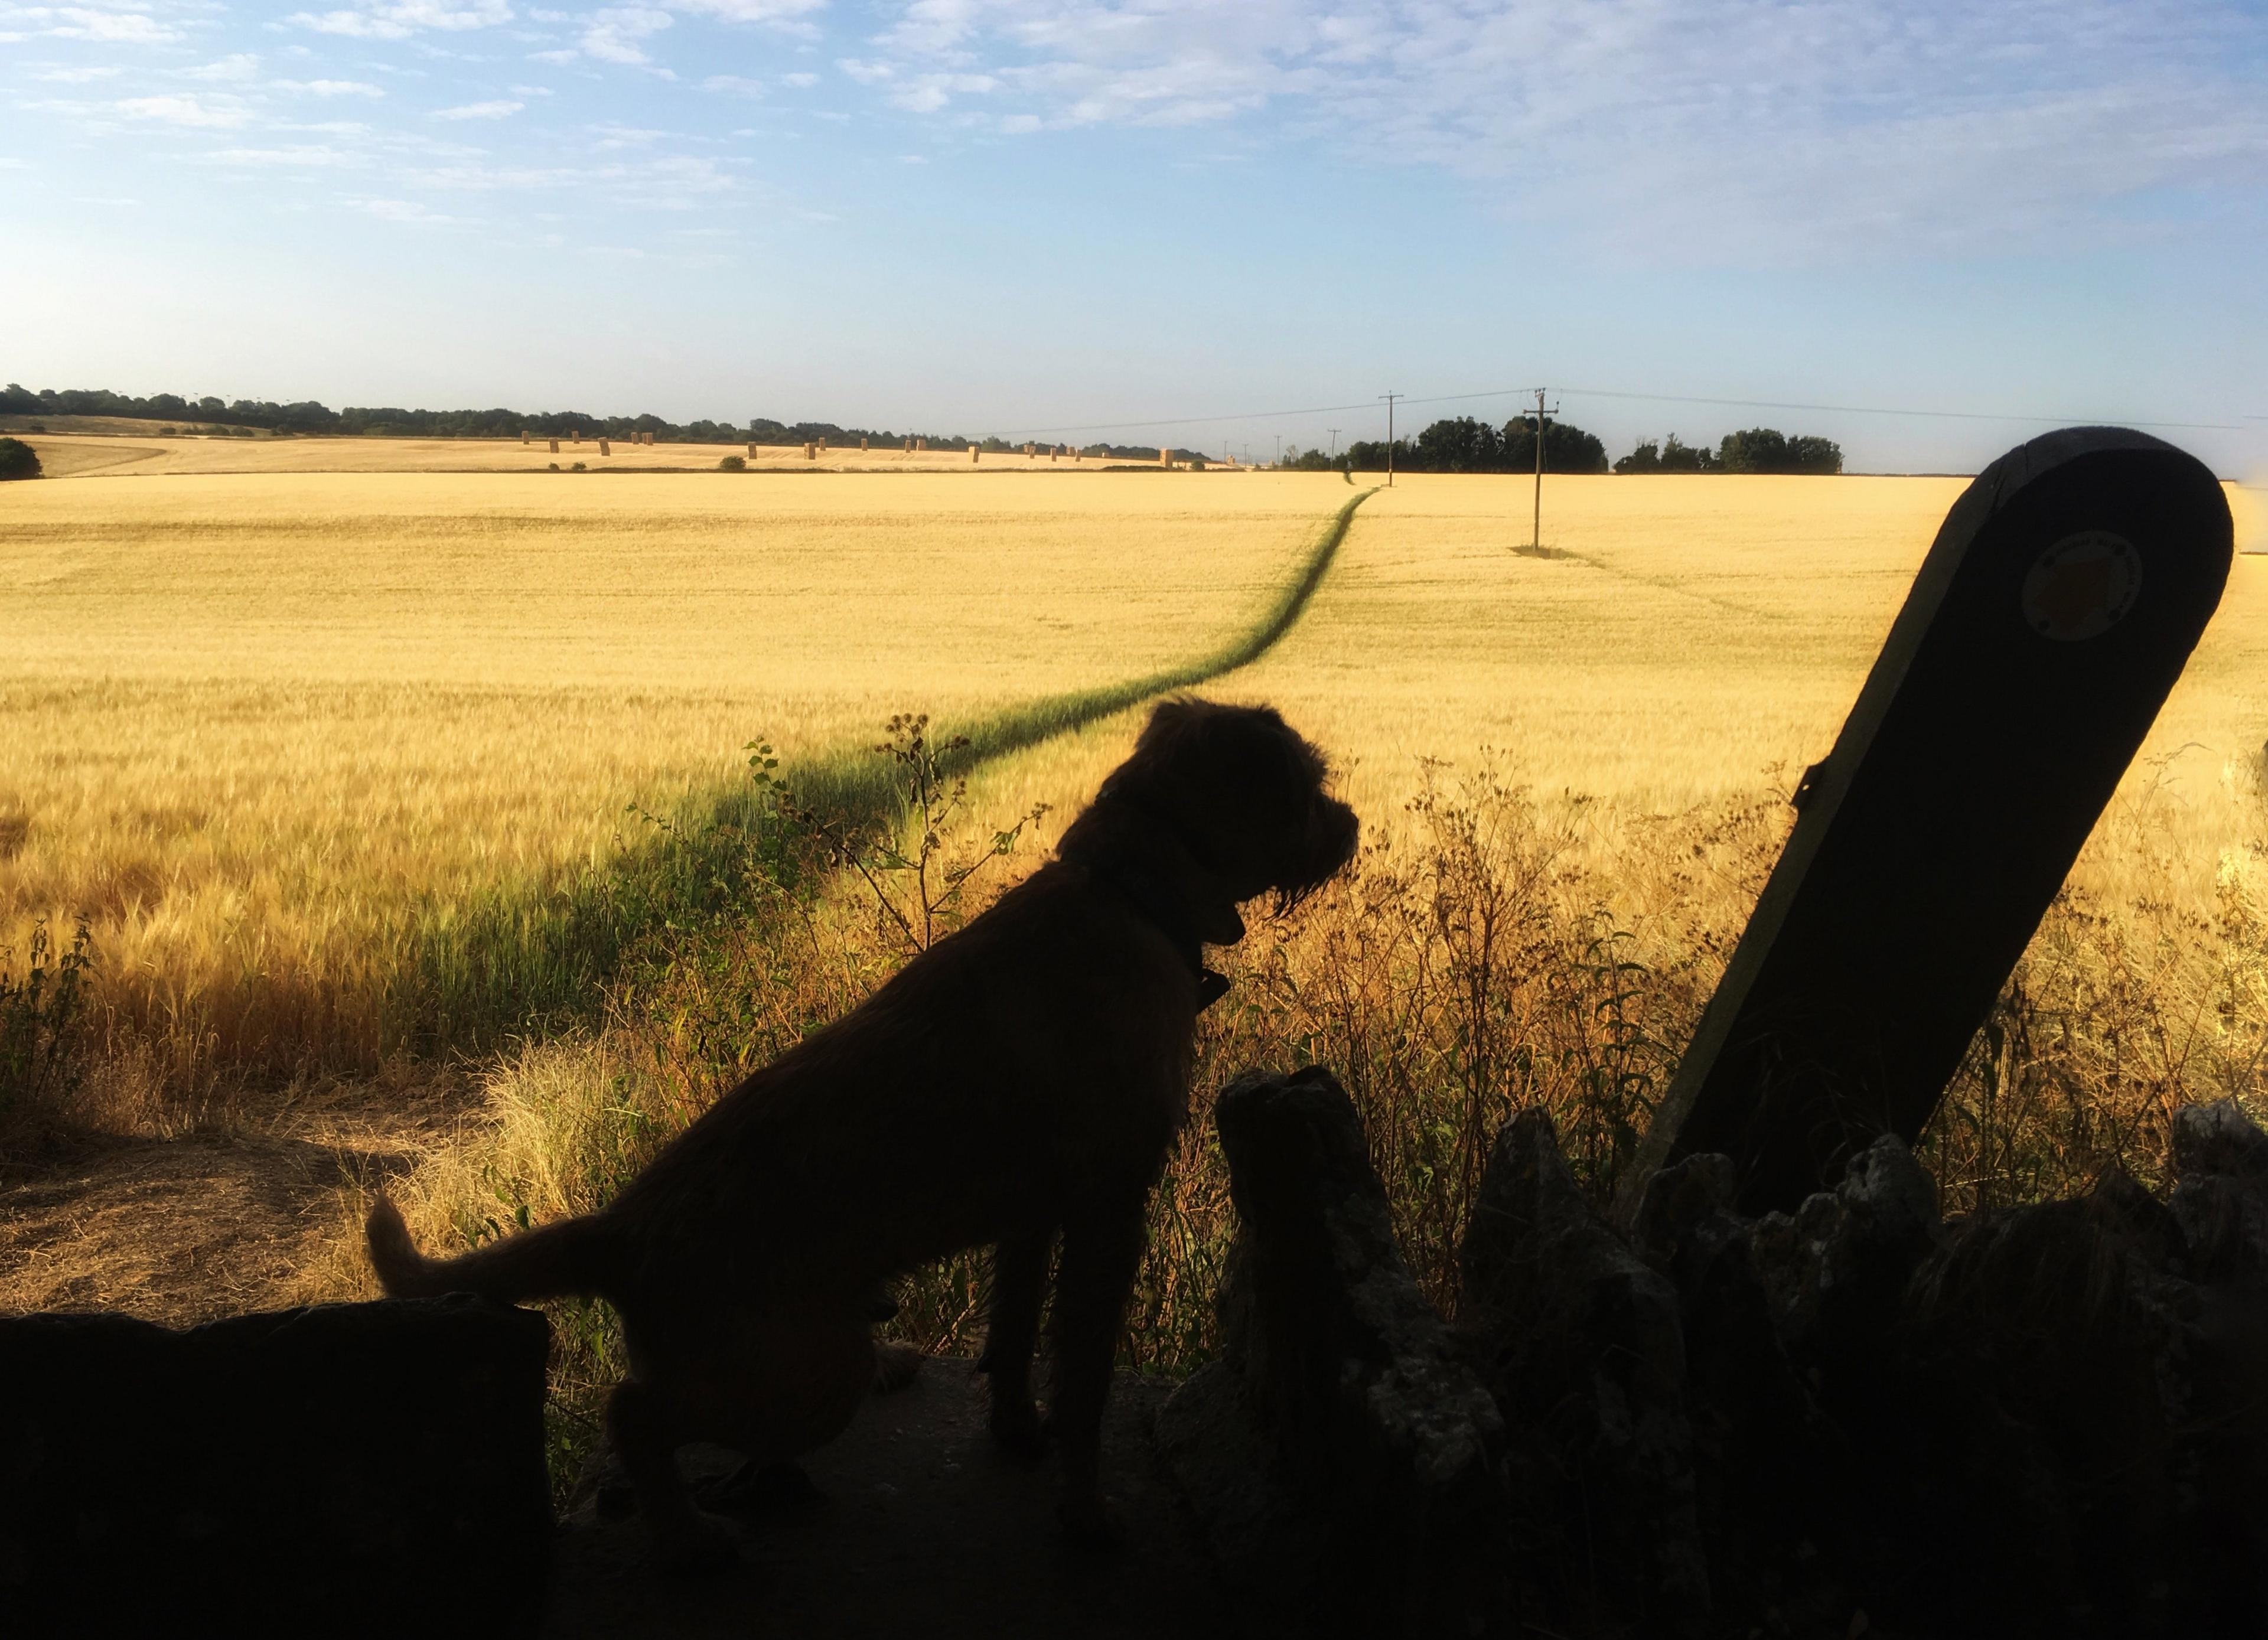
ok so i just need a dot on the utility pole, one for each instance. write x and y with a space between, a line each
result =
1390 398
1279 449
1536 538
1334 444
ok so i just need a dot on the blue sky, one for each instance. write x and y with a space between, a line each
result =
1022 215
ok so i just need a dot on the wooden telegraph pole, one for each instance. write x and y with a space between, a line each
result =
1390 398
1536 529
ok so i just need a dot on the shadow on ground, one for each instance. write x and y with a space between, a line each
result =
920 1527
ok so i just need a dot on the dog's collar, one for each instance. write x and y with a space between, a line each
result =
1162 908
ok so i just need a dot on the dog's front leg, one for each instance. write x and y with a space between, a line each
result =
1102 1253
1019 1275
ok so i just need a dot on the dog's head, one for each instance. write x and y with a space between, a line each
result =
1242 793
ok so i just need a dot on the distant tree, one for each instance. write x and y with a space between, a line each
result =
1807 453
18 460
1768 450
1568 448
1755 449
1645 457
1460 445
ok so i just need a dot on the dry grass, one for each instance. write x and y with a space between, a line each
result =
268 733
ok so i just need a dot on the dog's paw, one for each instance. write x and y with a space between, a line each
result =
1018 1429
1090 1524
752 1487
895 1366
695 1546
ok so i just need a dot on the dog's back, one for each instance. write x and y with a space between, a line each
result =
951 1109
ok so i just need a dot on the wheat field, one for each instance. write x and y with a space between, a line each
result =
255 727
143 452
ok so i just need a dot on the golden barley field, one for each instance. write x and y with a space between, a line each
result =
262 727
255 726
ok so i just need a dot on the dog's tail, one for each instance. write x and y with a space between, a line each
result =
562 1259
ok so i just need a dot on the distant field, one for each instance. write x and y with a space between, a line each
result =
1692 638
255 725
133 449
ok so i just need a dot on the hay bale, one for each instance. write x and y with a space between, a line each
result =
555 446
523 435
752 449
810 452
605 448
974 454
862 446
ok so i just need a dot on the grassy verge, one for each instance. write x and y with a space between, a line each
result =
1472 965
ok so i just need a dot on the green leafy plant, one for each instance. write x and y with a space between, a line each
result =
917 890
39 1067
733 464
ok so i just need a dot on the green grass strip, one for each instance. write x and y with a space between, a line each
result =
516 958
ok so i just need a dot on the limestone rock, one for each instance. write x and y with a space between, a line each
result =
1341 1456
1581 1343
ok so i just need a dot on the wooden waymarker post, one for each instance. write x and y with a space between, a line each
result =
2064 591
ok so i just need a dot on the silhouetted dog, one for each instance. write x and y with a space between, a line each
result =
1022 1079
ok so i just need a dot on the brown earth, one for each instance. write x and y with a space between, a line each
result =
222 1222
920 1526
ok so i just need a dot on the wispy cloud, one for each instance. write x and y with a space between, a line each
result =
408 211
502 108
326 88
241 66
1747 128
133 28
205 111
612 36
299 157
399 20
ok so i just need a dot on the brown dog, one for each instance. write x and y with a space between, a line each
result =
1021 1079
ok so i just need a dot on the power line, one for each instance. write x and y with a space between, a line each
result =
1647 398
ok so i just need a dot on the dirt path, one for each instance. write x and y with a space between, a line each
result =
921 1527
183 1230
